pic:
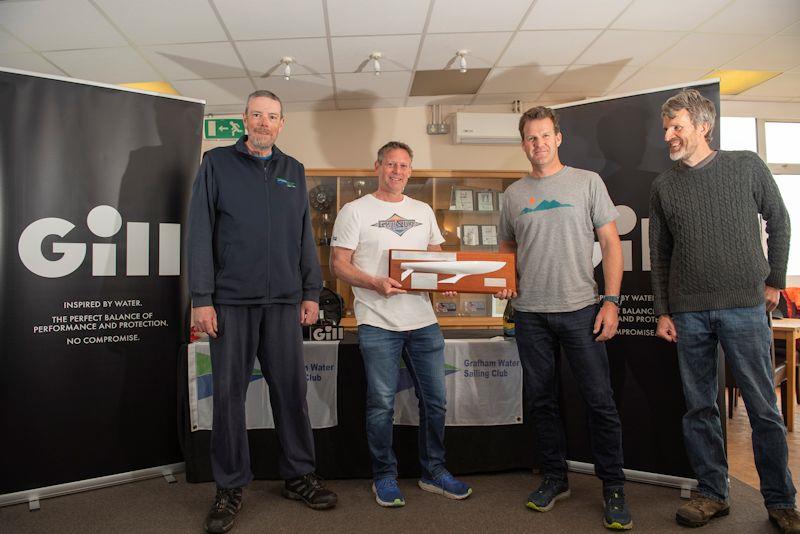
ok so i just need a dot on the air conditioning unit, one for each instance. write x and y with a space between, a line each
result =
486 129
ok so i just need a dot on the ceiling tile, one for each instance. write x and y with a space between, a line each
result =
370 103
69 21
706 50
299 88
520 79
591 79
476 16
351 53
29 61
108 65
10 45
272 20
785 85
216 92
675 15
310 56
655 77
633 47
573 14
546 47
794 29
483 49
365 85
194 61
148 22
377 17
779 53
763 17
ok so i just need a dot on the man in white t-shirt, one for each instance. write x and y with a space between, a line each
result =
394 323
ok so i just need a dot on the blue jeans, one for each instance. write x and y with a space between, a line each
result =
745 337
423 352
539 336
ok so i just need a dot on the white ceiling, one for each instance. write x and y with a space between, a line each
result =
543 51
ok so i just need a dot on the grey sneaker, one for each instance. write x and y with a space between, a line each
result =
549 491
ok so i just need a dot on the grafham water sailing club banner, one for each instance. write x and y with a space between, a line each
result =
94 184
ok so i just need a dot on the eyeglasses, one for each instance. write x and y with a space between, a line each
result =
396 165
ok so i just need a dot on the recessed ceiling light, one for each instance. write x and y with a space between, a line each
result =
733 82
156 87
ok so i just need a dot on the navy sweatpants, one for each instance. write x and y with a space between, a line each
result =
273 334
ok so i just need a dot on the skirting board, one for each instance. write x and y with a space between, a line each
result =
33 496
632 475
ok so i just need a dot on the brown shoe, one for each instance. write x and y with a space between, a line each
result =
787 519
699 511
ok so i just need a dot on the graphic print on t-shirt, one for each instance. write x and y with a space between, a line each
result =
397 224
544 205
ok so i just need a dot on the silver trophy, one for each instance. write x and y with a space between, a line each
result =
358 187
321 199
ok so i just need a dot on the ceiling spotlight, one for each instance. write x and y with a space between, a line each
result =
376 64
462 60
287 69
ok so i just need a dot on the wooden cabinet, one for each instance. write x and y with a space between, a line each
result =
467 207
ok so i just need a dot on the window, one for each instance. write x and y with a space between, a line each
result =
782 142
790 191
738 133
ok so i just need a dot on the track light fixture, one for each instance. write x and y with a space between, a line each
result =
376 64
287 69
462 60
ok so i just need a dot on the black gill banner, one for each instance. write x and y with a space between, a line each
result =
94 187
622 139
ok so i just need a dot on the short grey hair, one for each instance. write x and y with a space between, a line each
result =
701 110
394 145
262 93
538 113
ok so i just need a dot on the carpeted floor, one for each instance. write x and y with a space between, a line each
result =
496 506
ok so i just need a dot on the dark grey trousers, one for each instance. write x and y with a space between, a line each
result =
273 334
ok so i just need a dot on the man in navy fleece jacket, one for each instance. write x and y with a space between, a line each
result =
254 278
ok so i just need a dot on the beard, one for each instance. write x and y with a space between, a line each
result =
261 141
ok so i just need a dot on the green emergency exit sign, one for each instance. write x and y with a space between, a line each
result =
223 128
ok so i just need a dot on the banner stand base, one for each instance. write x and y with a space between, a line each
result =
33 496
686 485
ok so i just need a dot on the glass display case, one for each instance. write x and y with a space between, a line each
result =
467 207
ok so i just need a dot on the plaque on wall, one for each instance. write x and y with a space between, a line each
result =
465 272
463 199
485 200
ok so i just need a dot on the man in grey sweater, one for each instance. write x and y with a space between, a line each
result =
712 283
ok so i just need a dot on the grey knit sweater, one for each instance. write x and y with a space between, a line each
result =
705 241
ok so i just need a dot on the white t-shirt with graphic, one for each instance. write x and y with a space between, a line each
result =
370 227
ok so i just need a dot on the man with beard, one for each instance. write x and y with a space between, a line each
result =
254 278
550 219
712 284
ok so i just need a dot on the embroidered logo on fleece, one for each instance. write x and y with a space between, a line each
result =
284 182
397 224
543 205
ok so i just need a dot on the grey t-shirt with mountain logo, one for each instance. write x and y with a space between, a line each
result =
552 220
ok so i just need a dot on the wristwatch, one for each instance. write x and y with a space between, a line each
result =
614 299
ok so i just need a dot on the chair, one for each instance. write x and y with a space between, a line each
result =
787 310
778 379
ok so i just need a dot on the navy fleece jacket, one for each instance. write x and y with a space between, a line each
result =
250 237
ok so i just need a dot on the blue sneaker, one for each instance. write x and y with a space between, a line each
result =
549 491
387 493
616 516
447 485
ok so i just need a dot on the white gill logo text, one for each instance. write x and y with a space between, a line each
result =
103 221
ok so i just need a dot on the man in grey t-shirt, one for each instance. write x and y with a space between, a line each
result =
549 220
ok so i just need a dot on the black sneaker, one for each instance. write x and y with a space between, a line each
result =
227 504
549 491
616 515
309 488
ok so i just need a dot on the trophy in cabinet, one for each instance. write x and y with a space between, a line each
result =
358 187
321 199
